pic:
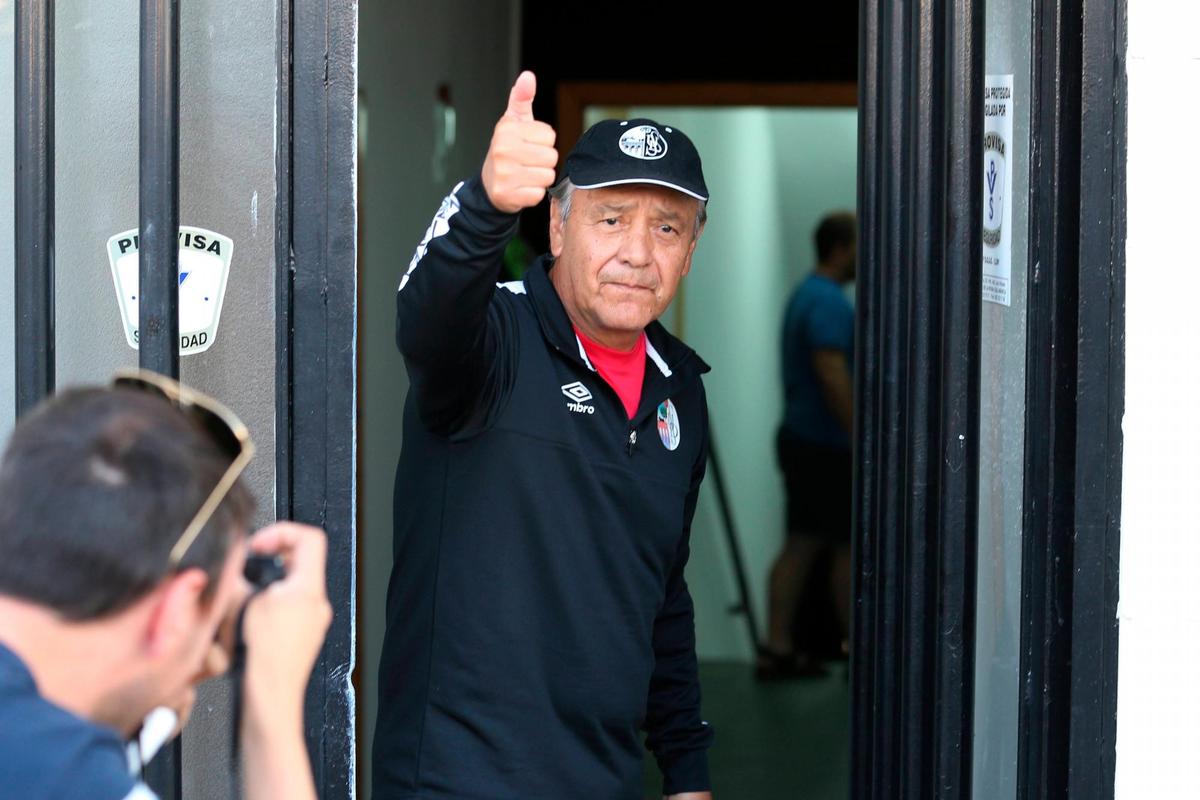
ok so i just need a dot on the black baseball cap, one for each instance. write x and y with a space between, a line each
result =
615 152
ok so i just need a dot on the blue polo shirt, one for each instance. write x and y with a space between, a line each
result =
48 753
818 317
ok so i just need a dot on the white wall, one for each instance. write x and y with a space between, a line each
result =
772 174
1158 709
406 50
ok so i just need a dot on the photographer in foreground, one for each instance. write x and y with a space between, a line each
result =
123 540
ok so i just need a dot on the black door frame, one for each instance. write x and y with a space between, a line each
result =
1074 402
316 341
917 400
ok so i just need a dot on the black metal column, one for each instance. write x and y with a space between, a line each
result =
917 398
1050 414
1074 402
1101 402
34 202
316 378
158 251
158 188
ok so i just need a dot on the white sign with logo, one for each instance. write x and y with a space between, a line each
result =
997 188
204 258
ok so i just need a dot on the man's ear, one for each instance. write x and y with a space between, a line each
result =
687 265
178 606
556 228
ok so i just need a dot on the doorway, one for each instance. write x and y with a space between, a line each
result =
777 159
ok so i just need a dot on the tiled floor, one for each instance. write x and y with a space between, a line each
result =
786 740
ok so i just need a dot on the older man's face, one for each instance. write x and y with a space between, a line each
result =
620 256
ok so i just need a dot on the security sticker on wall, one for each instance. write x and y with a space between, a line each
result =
997 188
204 258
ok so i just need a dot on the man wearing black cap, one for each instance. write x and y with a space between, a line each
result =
555 437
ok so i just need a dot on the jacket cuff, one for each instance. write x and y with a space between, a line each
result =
474 196
686 772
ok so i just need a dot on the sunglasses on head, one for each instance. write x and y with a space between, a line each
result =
223 427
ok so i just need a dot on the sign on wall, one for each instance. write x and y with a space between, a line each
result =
204 258
997 188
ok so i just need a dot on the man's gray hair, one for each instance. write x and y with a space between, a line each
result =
564 190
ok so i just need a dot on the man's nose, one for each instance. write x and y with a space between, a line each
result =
637 248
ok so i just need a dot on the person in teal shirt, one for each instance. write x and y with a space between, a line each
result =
813 444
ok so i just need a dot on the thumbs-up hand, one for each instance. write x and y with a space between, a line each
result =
520 162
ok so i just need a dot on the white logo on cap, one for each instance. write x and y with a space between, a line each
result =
644 142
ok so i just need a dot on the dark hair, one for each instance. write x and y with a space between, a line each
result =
838 228
96 486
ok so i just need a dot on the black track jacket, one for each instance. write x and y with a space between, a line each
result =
537 613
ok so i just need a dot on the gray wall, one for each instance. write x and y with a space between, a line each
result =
227 184
407 49
1002 442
